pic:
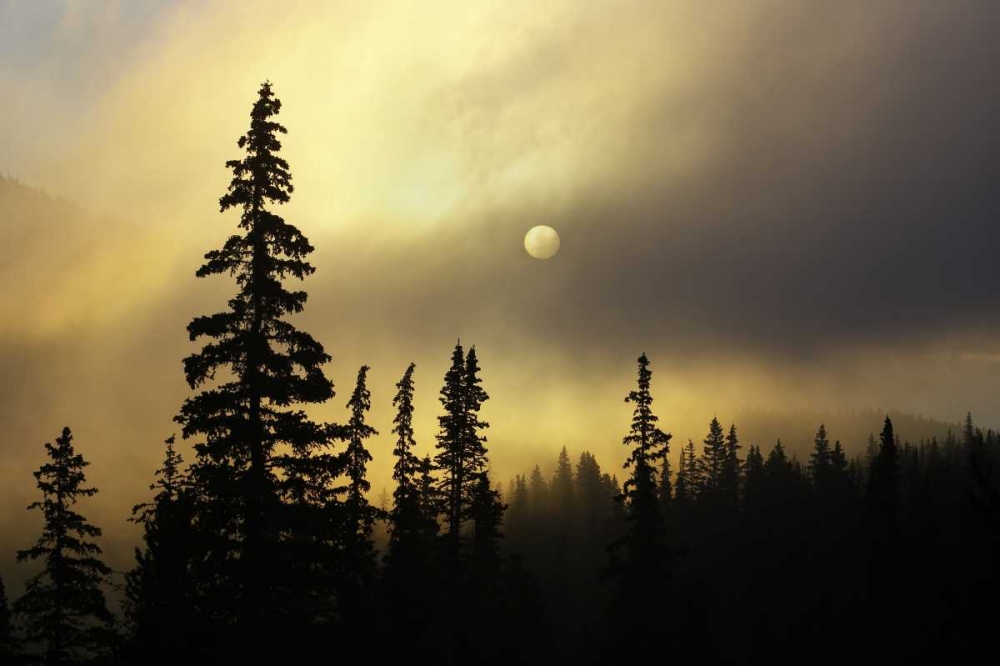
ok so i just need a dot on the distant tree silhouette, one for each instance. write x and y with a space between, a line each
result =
753 485
729 476
647 445
487 516
666 492
968 431
639 560
538 492
883 482
359 514
407 520
63 607
592 497
882 494
159 598
413 526
562 488
259 449
820 461
430 495
454 457
840 472
461 445
711 466
689 477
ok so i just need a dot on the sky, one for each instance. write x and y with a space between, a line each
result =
786 205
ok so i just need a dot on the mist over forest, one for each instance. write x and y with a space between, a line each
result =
490 332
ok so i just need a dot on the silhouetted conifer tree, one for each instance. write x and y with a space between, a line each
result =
259 448
562 488
753 485
840 473
487 516
711 465
689 477
359 514
590 493
453 458
968 431
63 607
538 493
407 527
666 492
638 559
647 445
729 477
160 602
430 495
883 487
820 461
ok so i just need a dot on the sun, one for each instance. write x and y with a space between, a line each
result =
541 242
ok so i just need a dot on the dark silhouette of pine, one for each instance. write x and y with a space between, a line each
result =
461 447
261 465
590 495
452 458
410 563
968 431
430 495
840 472
753 478
359 515
640 549
883 482
821 461
409 519
729 476
711 466
63 609
486 512
538 491
160 600
639 560
882 495
689 477
562 488
666 492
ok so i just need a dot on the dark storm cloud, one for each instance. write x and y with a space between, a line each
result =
853 199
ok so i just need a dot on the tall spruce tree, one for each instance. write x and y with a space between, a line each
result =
452 458
639 560
407 520
820 461
689 478
359 514
711 465
461 446
883 490
647 445
260 457
729 477
63 607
